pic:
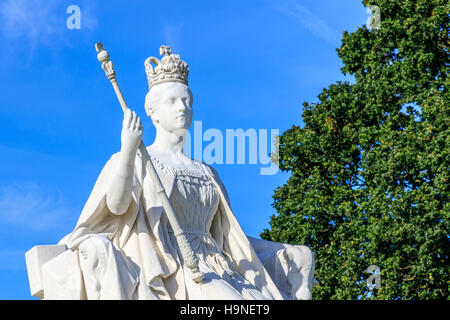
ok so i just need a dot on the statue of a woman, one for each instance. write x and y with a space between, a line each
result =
125 246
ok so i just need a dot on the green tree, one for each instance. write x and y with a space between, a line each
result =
370 168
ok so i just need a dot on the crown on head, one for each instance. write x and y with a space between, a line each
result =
169 69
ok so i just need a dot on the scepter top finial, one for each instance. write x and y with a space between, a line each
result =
99 46
103 57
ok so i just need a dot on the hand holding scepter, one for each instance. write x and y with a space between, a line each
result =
188 255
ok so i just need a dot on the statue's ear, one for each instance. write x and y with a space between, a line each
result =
149 108
152 114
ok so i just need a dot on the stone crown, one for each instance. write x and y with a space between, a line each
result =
169 69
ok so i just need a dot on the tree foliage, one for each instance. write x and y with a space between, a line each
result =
370 168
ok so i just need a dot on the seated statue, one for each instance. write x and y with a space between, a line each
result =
123 246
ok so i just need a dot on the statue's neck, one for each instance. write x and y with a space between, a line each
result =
169 142
168 147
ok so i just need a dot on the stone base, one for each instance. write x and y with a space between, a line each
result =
35 258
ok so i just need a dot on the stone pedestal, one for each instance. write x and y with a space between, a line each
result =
35 258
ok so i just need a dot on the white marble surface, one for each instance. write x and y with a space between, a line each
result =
123 246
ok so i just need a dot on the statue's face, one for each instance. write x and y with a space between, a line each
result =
169 105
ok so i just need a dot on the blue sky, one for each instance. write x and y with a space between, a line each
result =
252 64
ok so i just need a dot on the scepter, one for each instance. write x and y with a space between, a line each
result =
188 255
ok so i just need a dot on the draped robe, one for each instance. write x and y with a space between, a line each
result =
141 261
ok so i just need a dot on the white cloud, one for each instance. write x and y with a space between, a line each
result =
32 19
307 19
172 34
29 206
32 23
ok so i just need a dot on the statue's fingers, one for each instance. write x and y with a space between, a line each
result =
138 126
133 121
127 118
136 123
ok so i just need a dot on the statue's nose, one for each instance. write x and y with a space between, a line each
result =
181 106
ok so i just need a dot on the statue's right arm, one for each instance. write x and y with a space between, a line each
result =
119 192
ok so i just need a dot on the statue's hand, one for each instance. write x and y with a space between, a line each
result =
131 134
119 193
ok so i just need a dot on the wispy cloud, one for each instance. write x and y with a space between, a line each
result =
32 23
29 206
172 34
307 19
33 20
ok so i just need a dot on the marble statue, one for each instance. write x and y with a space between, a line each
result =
124 245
